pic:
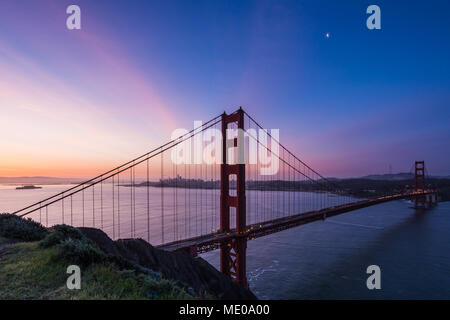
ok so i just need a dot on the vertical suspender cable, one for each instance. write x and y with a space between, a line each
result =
148 203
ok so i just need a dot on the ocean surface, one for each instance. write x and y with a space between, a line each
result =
321 260
328 260
170 214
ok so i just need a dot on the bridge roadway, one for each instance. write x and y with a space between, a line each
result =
212 241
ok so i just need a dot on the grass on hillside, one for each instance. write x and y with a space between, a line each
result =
29 271
34 261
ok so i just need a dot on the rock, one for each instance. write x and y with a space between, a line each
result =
196 273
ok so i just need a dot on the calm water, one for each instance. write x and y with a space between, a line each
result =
321 260
185 213
328 260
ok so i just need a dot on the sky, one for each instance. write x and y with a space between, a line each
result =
75 103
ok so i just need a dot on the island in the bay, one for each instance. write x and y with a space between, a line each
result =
27 187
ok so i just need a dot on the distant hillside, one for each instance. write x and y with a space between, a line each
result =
390 176
378 185
397 176
39 180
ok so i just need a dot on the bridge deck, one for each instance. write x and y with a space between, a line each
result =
212 241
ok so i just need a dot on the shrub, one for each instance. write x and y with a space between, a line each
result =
122 263
74 247
15 227
82 252
162 288
59 233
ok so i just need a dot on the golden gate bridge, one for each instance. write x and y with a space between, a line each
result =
200 207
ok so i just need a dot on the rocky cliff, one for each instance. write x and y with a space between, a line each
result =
190 272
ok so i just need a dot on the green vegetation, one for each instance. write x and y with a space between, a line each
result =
37 269
14 227
73 246
59 233
29 271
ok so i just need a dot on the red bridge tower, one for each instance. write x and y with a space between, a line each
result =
419 183
233 252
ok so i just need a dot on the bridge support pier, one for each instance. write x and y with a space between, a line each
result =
233 252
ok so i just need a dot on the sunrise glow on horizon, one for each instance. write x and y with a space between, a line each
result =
75 103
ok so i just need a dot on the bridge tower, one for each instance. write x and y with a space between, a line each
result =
233 252
419 183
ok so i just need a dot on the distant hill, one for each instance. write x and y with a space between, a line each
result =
390 176
397 177
38 180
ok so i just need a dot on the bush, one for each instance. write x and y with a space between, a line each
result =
17 228
162 288
82 252
122 263
59 233
74 247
